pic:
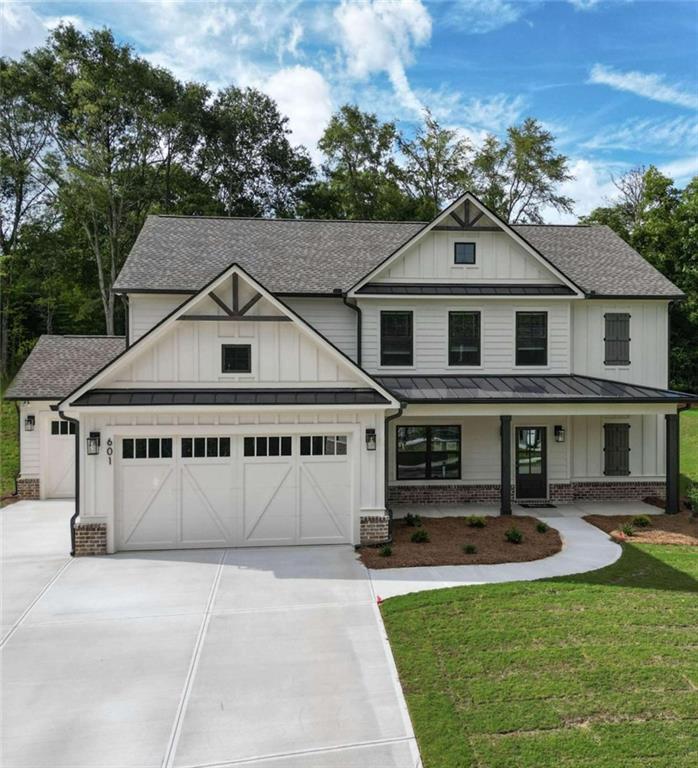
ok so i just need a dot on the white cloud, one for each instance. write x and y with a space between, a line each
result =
583 5
681 171
649 86
379 37
591 187
478 17
20 29
303 95
658 134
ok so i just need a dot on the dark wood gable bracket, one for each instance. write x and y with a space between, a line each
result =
237 313
467 224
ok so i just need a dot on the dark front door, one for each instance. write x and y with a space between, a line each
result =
531 463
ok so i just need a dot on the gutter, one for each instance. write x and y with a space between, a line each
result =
359 323
386 479
77 480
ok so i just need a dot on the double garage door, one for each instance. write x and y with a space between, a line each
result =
239 490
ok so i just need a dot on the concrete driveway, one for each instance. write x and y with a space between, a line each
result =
269 657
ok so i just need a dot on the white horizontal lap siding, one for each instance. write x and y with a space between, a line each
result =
498 332
30 442
648 341
330 317
498 259
148 309
647 446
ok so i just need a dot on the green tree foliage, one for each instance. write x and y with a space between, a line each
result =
661 222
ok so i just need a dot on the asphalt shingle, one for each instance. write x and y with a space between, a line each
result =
59 364
183 253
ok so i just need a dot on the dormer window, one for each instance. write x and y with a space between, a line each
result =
464 253
236 358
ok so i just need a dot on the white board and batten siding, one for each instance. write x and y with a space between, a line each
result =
498 329
148 309
648 341
498 259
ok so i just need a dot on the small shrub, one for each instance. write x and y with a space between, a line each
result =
385 551
641 521
542 527
514 535
420 536
469 549
627 529
414 521
692 499
475 521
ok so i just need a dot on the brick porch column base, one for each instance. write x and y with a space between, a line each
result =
90 539
29 488
374 529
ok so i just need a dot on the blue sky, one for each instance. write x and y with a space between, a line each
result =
615 80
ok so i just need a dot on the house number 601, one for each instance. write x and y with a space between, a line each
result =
110 450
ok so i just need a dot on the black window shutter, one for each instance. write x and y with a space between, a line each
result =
617 338
616 449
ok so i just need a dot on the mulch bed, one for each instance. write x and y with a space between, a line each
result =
449 534
665 529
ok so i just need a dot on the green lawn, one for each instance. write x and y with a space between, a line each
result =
9 449
594 670
689 447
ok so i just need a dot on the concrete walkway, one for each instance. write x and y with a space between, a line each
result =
584 548
266 657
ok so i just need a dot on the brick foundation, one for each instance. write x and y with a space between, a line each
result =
374 529
28 488
558 492
90 539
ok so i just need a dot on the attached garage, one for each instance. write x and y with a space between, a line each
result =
59 467
188 491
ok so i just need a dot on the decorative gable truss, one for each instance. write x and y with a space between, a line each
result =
234 312
493 254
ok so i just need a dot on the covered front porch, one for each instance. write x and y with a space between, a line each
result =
498 443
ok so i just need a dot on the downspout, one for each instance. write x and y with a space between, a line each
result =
356 309
19 445
386 448
127 320
77 480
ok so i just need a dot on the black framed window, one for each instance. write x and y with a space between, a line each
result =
531 338
324 445
464 338
236 358
267 446
617 338
62 427
205 447
464 253
396 338
616 449
146 448
428 453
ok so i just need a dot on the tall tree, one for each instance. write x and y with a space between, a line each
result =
361 176
519 177
247 158
438 165
661 222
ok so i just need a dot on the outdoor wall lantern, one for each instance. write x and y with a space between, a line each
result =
29 423
559 433
370 439
93 444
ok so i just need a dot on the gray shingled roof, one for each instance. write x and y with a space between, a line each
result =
59 364
183 253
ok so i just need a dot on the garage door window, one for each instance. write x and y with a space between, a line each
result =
205 447
324 445
60 427
267 446
146 448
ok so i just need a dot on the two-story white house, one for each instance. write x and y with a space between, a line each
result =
289 381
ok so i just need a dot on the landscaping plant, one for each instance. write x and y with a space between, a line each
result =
469 549
514 535
385 551
542 527
476 521
641 521
420 536
414 521
627 529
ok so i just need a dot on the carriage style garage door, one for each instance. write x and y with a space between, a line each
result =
181 492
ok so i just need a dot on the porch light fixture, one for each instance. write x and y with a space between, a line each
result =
370 439
29 423
559 433
93 443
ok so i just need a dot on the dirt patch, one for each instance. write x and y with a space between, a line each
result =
664 529
448 535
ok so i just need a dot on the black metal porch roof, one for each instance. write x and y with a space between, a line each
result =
464 289
154 397
525 389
